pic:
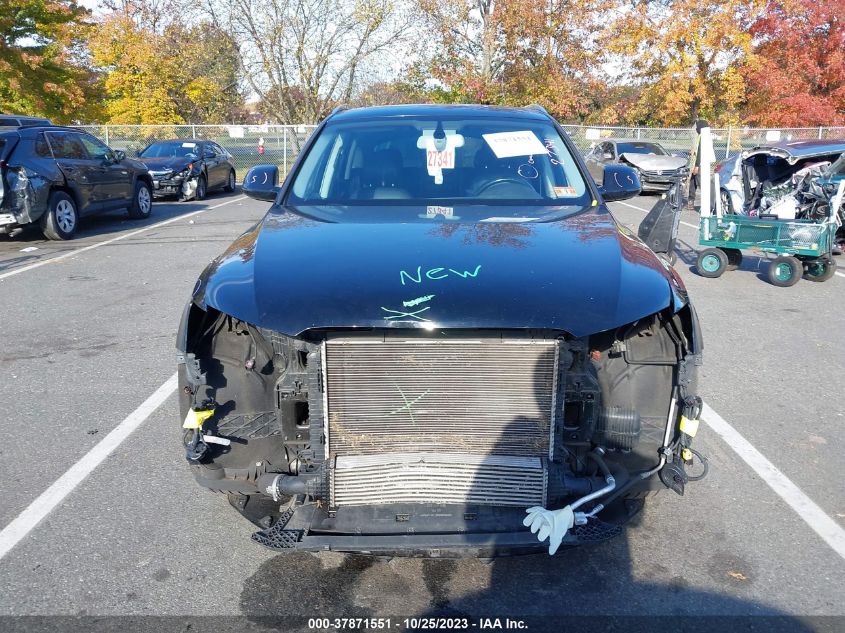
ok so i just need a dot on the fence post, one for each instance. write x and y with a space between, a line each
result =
820 132
285 130
193 131
107 134
728 146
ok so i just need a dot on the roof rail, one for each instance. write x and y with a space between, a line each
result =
538 108
337 109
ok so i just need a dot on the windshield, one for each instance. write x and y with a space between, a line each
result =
439 160
187 149
640 148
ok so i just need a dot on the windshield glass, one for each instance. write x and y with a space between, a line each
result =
187 149
439 160
640 148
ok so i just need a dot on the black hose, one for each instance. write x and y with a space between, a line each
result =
596 457
704 464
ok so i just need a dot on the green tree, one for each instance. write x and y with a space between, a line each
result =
42 69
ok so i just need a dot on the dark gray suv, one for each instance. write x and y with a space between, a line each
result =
55 175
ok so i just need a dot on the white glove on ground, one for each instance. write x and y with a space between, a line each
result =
553 524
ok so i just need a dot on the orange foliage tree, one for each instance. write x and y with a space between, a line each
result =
798 76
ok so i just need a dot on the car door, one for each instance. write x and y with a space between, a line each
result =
84 176
116 184
223 163
209 161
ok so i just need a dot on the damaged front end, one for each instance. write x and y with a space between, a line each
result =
435 443
180 183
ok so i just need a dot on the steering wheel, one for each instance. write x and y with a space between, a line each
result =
486 187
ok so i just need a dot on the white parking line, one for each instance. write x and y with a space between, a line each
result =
90 247
48 500
813 515
692 226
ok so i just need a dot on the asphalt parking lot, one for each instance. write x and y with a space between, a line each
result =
88 330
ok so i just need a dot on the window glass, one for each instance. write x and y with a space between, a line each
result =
171 149
42 149
467 161
641 148
67 145
96 149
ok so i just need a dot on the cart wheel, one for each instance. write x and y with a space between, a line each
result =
785 271
820 270
734 257
711 262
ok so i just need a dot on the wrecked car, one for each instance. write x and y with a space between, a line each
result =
794 180
54 176
439 342
188 169
656 167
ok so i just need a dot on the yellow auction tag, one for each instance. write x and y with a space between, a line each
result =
195 419
690 427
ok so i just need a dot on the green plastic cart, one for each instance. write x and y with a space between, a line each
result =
803 247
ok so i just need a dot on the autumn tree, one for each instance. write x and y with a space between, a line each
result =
158 71
497 52
42 69
798 76
684 55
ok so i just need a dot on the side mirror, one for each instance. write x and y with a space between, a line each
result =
620 182
138 153
261 182
119 155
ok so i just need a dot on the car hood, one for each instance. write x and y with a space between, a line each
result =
581 274
166 163
654 162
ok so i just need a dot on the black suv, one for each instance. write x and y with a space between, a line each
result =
19 120
55 175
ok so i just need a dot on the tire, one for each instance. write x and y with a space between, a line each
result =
711 263
202 188
230 182
819 270
61 219
785 271
142 201
734 257
727 202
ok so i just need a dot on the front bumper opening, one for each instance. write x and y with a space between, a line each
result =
424 530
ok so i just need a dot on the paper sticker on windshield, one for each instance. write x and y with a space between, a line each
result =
189 144
508 144
439 151
565 192
442 160
433 211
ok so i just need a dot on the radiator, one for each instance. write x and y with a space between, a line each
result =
432 420
445 478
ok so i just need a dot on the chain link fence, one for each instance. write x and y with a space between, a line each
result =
282 143
726 141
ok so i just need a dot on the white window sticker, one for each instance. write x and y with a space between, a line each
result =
443 160
440 152
433 211
189 144
509 144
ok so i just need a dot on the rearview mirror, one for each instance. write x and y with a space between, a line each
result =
607 156
620 182
261 182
